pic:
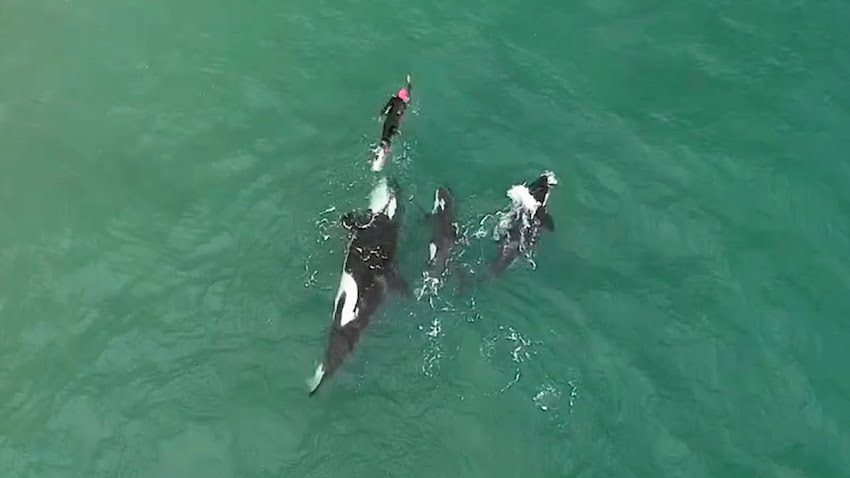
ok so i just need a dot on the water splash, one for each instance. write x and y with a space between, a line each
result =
547 397
483 229
323 225
433 353
471 313
512 382
573 394
430 287
521 345
311 281
435 329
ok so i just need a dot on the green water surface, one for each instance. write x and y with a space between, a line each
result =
171 175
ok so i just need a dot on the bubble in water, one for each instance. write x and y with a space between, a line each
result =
311 281
547 397
430 287
573 394
517 375
322 225
435 329
521 345
433 352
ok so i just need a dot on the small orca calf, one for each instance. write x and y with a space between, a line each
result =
368 273
529 215
444 231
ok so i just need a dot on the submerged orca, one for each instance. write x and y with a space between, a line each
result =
529 215
368 273
444 232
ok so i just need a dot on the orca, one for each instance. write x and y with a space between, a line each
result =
528 216
444 231
368 274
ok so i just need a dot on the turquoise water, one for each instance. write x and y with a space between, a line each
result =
169 256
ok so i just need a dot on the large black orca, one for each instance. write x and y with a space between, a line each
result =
529 215
368 273
444 231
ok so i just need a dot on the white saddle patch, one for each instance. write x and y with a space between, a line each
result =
439 203
391 207
348 286
433 249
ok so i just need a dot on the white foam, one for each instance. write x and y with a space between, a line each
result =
316 379
380 159
521 197
348 286
430 287
433 249
436 201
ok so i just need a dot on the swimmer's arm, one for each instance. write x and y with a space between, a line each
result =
386 108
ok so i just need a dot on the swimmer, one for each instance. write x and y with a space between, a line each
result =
392 113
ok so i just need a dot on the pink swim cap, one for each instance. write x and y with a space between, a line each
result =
404 95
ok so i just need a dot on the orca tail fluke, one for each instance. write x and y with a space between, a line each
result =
316 380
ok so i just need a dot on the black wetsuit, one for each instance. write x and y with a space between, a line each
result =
393 112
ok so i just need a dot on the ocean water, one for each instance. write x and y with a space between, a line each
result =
172 174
